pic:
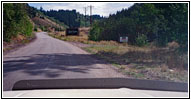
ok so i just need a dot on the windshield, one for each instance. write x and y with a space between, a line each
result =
95 45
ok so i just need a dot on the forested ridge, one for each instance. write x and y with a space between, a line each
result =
158 23
71 18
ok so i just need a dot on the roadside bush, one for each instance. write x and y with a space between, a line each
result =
43 28
35 29
141 40
95 32
27 27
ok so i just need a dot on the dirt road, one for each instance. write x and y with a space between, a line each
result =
50 58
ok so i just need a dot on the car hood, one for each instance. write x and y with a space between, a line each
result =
97 87
121 92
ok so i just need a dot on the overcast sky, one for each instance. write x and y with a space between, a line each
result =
101 8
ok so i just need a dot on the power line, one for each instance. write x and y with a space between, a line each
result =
85 9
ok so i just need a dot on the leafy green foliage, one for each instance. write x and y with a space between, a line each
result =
95 32
15 21
35 28
141 40
43 28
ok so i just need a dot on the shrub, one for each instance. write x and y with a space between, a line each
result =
141 40
36 28
95 32
43 28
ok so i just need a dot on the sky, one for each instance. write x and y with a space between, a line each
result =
101 8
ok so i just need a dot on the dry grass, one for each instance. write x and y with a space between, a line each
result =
46 22
17 41
144 63
84 30
82 38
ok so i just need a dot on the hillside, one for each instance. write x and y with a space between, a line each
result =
46 24
15 21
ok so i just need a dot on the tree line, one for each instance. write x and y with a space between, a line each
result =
71 18
66 16
158 23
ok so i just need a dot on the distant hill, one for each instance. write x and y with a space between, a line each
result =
71 18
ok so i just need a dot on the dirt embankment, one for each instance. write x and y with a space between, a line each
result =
17 42
47 23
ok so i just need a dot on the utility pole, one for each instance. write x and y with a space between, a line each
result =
90 14
85 9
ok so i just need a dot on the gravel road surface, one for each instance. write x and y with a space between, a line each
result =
50 58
